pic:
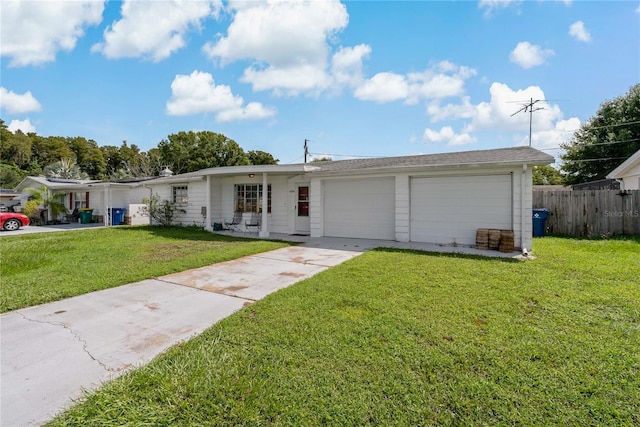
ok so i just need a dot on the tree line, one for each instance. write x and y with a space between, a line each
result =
600 145
29 154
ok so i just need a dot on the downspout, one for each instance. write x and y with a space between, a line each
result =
207 217
264 224
522 206
107 201
512 196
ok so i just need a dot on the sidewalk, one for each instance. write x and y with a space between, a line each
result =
51 352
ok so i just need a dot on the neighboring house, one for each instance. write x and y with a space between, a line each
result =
435 198
628 173
100 196
6 199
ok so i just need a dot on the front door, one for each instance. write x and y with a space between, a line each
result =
302 209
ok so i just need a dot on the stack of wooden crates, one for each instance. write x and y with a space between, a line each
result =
494 239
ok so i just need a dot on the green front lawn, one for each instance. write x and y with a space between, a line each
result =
410 339
45 267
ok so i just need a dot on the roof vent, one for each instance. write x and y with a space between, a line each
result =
166 172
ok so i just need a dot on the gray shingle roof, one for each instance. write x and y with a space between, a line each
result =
498 156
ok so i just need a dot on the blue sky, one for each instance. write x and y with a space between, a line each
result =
359 78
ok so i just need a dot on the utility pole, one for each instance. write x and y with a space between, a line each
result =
306 150
529 108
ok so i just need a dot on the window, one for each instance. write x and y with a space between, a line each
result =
180 195
249 198
79 200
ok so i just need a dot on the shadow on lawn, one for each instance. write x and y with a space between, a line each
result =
195 233
456 255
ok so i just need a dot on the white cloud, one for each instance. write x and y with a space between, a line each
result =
443 80
529 55
447 134
197 93
504 113
23 125
33 32
346 65
491 5
578 31
562 132
383 87
498 113
437 113
14 103
283 38
153 30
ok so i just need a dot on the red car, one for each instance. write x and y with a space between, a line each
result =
10 221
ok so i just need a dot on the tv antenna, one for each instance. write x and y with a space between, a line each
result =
528 107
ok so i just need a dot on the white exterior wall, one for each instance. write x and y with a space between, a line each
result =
196 193
631 180
217 211
316 211
526 231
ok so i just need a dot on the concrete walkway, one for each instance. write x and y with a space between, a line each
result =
51 352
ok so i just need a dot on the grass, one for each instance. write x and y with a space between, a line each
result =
407 338
45 267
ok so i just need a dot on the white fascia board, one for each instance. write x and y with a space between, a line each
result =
294 169
627 164
435 167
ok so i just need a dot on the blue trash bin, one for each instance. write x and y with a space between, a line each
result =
117 216
539 220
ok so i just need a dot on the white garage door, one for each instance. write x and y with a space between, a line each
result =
360 208
450 209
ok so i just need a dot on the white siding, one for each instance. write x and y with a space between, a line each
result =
402 208
360 208
449 209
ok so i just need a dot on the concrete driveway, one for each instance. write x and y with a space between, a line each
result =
50 353
32 229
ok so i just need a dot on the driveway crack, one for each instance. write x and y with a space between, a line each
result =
74 334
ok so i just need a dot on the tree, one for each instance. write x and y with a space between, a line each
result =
88 156
546 175
11 175
192 151
258 157
321 159
66 169
604 141
41 200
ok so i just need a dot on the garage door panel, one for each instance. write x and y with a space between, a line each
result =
363 208
450 209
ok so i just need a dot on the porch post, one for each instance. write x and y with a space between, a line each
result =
207 221
264 228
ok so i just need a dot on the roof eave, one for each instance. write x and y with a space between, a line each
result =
436 167
625 166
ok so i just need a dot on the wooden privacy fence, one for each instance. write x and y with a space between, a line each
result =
590 212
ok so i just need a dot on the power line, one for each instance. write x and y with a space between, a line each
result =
595 143
606 126
595 160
